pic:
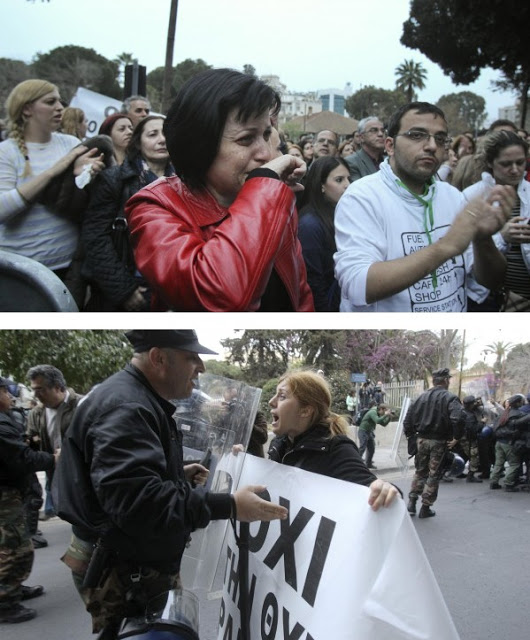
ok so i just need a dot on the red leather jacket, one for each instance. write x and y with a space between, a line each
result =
200 256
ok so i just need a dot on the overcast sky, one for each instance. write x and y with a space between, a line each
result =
310 45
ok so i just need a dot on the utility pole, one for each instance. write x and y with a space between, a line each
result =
462 363
168 69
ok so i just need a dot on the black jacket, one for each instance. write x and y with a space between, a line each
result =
111 273
17 460
473 425
313 450
516 427
436 414
121 473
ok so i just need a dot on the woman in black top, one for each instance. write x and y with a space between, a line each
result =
327 179
310 436
116 285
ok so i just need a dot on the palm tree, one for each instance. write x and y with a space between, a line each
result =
500 350
410 76
122 61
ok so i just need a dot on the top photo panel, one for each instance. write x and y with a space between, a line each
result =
179 168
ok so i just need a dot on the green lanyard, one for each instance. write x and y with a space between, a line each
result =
427 211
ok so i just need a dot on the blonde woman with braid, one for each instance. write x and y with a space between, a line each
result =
311 437
30 158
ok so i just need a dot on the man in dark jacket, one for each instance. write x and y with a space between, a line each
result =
437 419
122 483
47 422
468 445
511 427
17 464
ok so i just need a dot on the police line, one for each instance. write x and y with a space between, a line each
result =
333 569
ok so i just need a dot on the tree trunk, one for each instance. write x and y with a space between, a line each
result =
168 69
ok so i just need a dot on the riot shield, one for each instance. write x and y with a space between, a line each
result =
216 423
399 446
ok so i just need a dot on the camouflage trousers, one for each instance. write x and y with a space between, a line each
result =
16 548
468 449
427 476
123 592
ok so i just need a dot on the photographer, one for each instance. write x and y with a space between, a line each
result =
379 414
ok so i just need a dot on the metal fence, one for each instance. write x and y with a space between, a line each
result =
396 391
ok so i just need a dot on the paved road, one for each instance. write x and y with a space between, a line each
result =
477 546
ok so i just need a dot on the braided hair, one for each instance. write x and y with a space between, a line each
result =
23 94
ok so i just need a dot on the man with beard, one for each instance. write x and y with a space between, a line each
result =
405 241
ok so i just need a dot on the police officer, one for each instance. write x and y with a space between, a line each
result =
17 464
468 445
121 481
436 417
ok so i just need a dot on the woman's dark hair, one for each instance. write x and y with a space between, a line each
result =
134 148
494 143
108 124
197 117
418 107
314 200
514 402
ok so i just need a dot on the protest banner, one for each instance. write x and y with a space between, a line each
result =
96 106
333 569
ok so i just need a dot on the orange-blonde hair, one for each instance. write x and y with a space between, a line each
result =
312 390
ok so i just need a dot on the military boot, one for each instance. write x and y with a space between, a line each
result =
16 613
471 477
411 507
426 512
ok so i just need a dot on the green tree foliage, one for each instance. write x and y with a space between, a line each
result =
516 368
71 66
410 76
249 70
11 73
372 100
181 72
465 111
85 357
224 369
463 38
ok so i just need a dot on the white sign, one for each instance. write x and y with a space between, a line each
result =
96 106
333 569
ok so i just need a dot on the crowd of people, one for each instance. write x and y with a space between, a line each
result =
444 433
210 208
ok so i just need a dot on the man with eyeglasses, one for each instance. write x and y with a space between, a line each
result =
367 160
406 242
326 143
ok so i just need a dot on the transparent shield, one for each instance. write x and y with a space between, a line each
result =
216 423
399 446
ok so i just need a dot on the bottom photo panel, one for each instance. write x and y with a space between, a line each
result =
241 484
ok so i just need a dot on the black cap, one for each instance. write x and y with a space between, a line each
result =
185 339
518 398
469 400
441 373
6 382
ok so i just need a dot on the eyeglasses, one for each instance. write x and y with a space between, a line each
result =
441 139
376 130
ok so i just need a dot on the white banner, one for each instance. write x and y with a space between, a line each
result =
333 569
96 106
